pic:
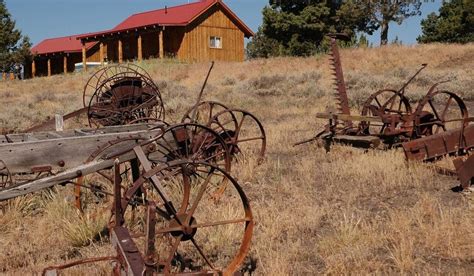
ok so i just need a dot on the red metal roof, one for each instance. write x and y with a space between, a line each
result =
66 44
181 15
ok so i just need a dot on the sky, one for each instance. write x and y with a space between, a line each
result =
41 19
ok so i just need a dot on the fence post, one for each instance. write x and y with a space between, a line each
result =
59 122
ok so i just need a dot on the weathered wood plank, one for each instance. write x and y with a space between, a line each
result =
50 181
60 153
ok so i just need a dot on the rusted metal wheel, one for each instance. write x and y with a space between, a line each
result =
439 111
6 179
203 112
103 74
242 132
100 183
120 94
382 103
192 142
189 231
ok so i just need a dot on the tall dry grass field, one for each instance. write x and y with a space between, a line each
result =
343 212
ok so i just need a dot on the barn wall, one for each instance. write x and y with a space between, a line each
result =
195 45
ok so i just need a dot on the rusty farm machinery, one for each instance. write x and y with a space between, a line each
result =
439 124
175 177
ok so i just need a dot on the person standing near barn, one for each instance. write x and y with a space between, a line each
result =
16 70
22 71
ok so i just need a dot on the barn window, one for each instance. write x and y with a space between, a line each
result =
215 42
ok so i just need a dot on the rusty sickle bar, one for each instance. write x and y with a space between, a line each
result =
340 85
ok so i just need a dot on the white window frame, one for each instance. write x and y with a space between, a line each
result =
215 42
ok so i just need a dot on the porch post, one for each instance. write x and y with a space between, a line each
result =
49 67
33 69
101 53
84 57
120 53
160 43
65 64
139 42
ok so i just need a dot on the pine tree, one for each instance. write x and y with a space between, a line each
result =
383 12
298 27
14 47
455 23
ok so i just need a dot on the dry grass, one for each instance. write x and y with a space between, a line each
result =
345 212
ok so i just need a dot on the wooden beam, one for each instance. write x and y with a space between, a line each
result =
33 69
65 64
160 43
120 53
84 57
101 53
139 42
4 76
49 67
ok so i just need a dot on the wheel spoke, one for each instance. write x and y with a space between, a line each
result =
198 198
201 253
377 101
447 106
249 139
217 223
174 248
434 110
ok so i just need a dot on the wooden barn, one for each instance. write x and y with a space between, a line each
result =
200 31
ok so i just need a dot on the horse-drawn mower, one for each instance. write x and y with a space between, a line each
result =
437 126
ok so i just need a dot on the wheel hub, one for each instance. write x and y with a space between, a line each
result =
187 231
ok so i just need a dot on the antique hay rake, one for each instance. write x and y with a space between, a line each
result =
437 126
179 180
117 95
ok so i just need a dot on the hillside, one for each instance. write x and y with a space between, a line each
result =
343 212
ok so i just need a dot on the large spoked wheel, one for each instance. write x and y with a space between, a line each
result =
438 112
104 74
101 182
242 132
192 142
380 103
188 229
203 112
120 94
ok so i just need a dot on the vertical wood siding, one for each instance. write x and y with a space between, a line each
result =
195 45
